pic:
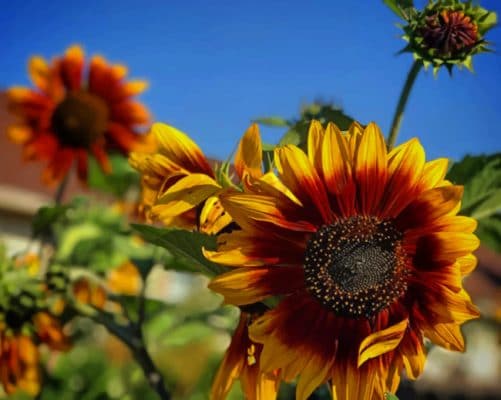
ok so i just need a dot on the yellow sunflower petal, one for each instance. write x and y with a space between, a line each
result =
213 217
178 147
433 173
253 212
185 194
337 170
381 342
446 335
299 175
248 158
315 139
19 134
133 88
467 264
39 72
413 355
405 169
247 286
371 169
314 374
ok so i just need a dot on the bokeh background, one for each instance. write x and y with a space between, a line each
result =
213 67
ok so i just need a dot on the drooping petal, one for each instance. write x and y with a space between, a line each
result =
381 342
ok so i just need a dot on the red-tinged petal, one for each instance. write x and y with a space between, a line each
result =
130 113
371 170
248 158
433 174
298 174
19 134
247 286
405 168
337 170
350 382
315 140
72 65
412 353
241 249
59 166
179 148
101 157
39 72
123 137
441 248
429 206
258 212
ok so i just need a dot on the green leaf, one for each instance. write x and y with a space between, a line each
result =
390 396
183 244
489 232
46 217
292 136
481 177
118 182
272 121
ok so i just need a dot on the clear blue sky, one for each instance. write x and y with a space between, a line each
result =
215 65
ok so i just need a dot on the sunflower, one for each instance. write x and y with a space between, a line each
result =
19 352
241 361
179 186
366 252
68 116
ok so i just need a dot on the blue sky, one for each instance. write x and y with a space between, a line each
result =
214 66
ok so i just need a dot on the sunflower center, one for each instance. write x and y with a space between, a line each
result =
80 119
450 33
357 266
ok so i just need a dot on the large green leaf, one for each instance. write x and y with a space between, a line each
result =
183 244
481 177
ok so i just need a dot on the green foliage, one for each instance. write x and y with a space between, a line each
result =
46 216
118 182
481 177
298 128
185 245
389 396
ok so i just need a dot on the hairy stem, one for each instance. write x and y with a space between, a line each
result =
402 102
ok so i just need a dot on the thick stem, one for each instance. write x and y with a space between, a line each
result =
402 102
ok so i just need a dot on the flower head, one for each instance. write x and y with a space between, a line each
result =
447 33
178 183
366 252
73 112
241 361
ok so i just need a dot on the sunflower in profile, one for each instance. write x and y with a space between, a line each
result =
74 111
179 185
366 253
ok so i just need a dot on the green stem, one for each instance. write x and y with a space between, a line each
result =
58 198
402 102
131 335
